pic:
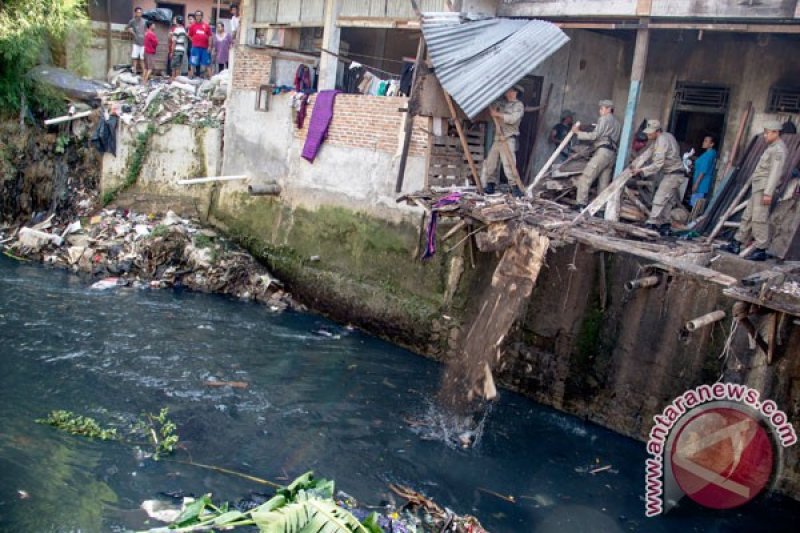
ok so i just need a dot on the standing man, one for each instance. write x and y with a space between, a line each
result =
179 40
605 141
234 21
136 28
704 171
560 131
661 159
510 111
200 33
767 174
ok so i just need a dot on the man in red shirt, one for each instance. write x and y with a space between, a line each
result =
200 33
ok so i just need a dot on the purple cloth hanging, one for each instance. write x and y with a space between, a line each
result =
321 118
430 247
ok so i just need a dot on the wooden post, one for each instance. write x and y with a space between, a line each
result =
739 133
464 145
108 35
331 36
637 76
550 161
507 152
409 124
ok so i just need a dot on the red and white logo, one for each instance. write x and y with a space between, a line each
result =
722 458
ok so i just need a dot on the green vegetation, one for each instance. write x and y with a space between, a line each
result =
157 429
30 30
135 163
304 505
78 425
159 231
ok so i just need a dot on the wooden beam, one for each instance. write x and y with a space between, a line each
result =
628 127
727 214
550 162
409 122
673 264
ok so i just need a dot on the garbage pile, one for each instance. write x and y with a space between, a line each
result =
185 100
126 248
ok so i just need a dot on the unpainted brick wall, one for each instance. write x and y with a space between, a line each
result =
372 122
251 67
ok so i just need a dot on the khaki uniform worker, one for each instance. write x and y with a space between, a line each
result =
605 141
767 174
510 112
661 159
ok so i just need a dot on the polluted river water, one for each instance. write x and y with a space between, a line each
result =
319 397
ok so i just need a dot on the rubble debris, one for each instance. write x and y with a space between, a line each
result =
182 101
126 248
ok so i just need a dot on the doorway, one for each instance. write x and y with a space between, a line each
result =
699 110
531 98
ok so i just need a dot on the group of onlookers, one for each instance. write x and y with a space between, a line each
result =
206 52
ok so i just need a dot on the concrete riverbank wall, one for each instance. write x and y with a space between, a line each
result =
585 345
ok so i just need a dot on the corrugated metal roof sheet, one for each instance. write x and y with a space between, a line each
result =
477 60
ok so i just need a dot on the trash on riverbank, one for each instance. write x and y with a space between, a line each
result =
182 101
125 248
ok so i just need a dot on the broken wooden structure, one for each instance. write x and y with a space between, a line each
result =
523 231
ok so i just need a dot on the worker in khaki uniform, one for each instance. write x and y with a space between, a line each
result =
605 141
510 112
767 174
662 159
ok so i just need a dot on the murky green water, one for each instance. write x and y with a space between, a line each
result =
334 405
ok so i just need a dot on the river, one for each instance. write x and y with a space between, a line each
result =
320 397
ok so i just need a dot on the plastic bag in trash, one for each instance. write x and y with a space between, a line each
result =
159 14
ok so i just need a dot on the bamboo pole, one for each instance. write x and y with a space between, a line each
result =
641 283
211 179
705 320
550 162
464 146
67 118
507 152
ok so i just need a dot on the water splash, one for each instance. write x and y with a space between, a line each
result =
454 430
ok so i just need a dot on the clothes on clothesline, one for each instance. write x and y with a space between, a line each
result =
303 79
406 77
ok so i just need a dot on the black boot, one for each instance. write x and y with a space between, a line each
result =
733 247
665 230
759 254
489 188
516 192
579 207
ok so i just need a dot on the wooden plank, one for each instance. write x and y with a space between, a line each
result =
606 195
550 162
733 207
612 244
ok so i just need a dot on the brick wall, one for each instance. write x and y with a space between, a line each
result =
251 67
371 122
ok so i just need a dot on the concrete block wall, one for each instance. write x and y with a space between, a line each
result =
251 67
372 122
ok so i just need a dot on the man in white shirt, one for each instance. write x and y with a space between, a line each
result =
234 21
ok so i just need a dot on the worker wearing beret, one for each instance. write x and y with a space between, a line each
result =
765 179
605 141
662 161
510 112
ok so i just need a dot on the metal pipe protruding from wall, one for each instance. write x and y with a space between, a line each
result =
705 320
264 189
641 283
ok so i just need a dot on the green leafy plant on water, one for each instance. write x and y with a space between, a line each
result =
305 505
134 164
159 431
78 425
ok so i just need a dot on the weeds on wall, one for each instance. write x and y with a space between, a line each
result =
35 31
134 165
